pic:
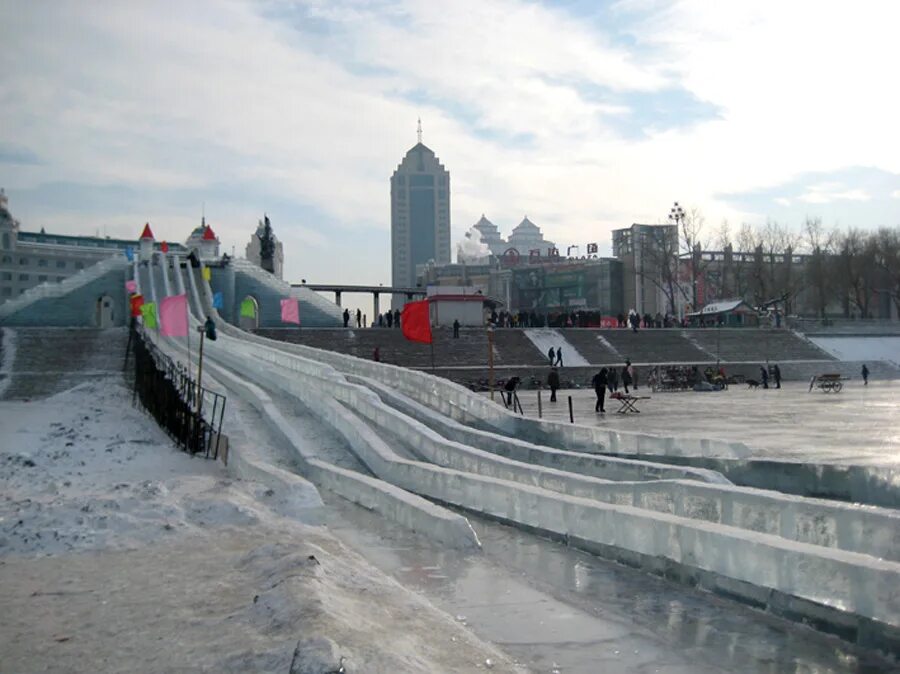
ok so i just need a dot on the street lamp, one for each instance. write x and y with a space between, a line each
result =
677 217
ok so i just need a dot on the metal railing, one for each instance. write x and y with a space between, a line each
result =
190 415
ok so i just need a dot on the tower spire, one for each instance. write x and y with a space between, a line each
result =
419 130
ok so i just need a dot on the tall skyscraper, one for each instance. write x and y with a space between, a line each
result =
420 215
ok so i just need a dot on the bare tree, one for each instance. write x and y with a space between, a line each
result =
820 245
887 260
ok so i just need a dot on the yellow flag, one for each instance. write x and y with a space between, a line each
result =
207 274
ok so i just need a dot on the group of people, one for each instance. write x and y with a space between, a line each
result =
555 356
606 378
389 318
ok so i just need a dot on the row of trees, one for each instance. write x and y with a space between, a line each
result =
810 270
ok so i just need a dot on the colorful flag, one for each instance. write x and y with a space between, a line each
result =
137 302
290 311
218 302
173 315
248 308
207 274
164 247
148 311
416 322
131 286
129 253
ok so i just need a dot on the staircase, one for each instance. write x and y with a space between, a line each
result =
51 360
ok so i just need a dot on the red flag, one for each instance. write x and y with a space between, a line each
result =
164 247
416 322
136 302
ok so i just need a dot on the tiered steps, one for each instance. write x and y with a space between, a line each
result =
51 360
757 344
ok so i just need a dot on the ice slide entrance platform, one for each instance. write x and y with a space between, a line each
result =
427 441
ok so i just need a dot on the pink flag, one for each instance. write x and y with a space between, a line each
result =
290 311
173 314
131 286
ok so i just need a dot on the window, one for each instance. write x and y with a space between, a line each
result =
6 239
42 263
7 259
23 277
60 264
23 260
42 278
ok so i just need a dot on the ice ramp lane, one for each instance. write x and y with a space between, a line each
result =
545 339
763 568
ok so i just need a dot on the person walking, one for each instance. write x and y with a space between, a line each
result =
865 375
376 355
776 375
764 377
559 356
626 376
359 318
600 383
455 328
389 317
613 380
553 383
510 388
397 317
551 354
346 316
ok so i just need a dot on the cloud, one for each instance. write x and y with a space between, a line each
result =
587 116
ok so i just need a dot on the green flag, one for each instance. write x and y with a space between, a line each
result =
148 311
248 308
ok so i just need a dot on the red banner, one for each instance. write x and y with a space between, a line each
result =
415 321
137 302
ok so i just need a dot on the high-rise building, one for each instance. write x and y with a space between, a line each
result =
649 255
420 215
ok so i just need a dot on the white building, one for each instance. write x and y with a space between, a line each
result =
526 237
490 235
420 215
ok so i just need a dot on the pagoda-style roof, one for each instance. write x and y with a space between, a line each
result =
208 234
147 233
525 225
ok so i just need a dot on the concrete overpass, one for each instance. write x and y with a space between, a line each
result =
376 291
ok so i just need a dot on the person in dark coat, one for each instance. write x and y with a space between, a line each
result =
389 317
559 356
359 318
764 377
376 355
553 383
510 388
600 382
865 375
626 376
776 375
455 328
613 380
397 317
346 317
551 354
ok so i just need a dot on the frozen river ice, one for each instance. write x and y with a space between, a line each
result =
859 425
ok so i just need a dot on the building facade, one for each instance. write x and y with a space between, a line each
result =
420 216
527 238
649 257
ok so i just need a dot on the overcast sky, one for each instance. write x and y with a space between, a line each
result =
584 115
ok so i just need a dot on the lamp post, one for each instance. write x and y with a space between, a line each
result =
676 217
490 336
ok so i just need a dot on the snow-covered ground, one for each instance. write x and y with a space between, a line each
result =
119 552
